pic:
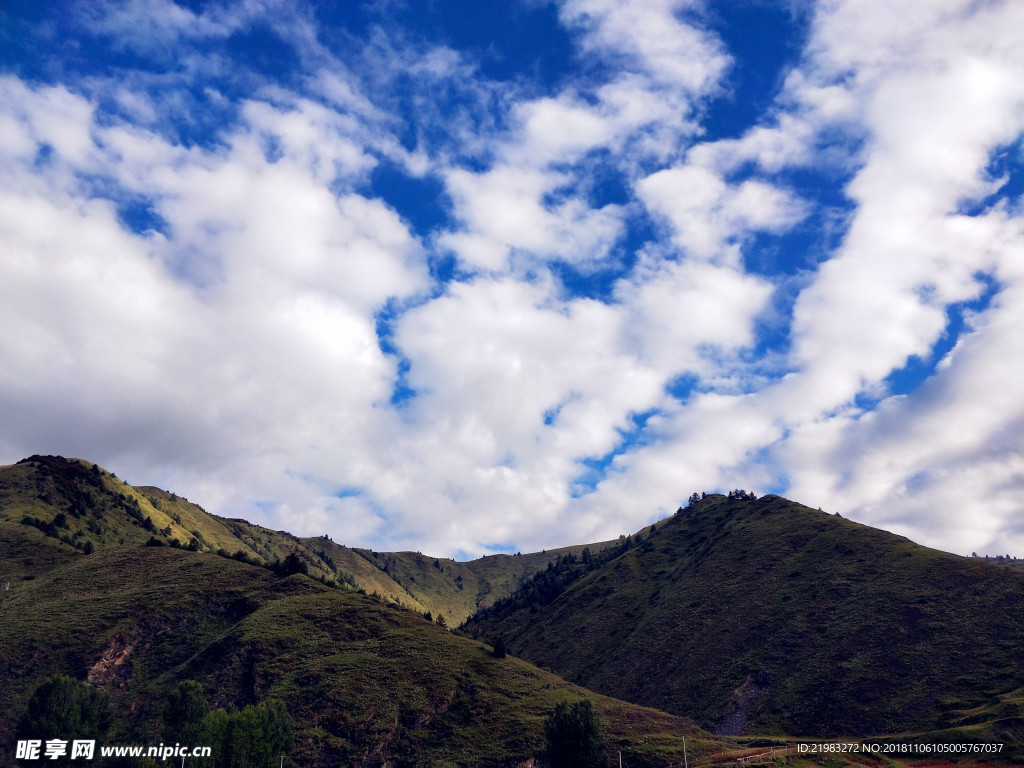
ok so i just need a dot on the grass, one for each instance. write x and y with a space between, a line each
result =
759 616
366 681
81 506
774 618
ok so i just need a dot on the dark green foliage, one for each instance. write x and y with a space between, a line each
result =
573 736
328 560
62 708
500 649
46 527
742 495
544 587
185 716
254 735
290 565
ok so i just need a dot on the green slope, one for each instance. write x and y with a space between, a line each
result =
80 504
761 617
367 683
440 586
85 506
767 616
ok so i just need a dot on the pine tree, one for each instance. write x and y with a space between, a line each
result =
500 649
253 735
185 716
62 708
574 738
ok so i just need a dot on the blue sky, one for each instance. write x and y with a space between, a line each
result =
472 277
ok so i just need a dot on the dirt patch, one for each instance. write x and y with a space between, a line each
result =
115 663
737 711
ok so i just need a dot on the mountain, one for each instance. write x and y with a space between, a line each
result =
87 507
767 616
366 681
440 586
747 616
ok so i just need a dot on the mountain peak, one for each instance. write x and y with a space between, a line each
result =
808 605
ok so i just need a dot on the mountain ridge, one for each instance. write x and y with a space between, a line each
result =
77 494
708 613
606 616
368 681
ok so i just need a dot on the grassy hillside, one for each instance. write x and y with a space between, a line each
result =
368 683
760 617
441 586
86 507
770 617
82 504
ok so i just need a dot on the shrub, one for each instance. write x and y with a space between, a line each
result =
185 716
574 738
251 736
64 708
500 649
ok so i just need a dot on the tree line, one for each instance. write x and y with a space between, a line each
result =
68 709
543 587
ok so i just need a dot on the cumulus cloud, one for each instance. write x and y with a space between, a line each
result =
665 67
505 211
936 455
707 213
922 162
910 253
650 38
202 288
243 337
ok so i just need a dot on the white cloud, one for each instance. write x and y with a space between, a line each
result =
156 27
649 38
679 309
934 88
908 255
517 387
505 210
645 110
52 120
506 342
558 130
707 213
267 367
950 455
232 351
